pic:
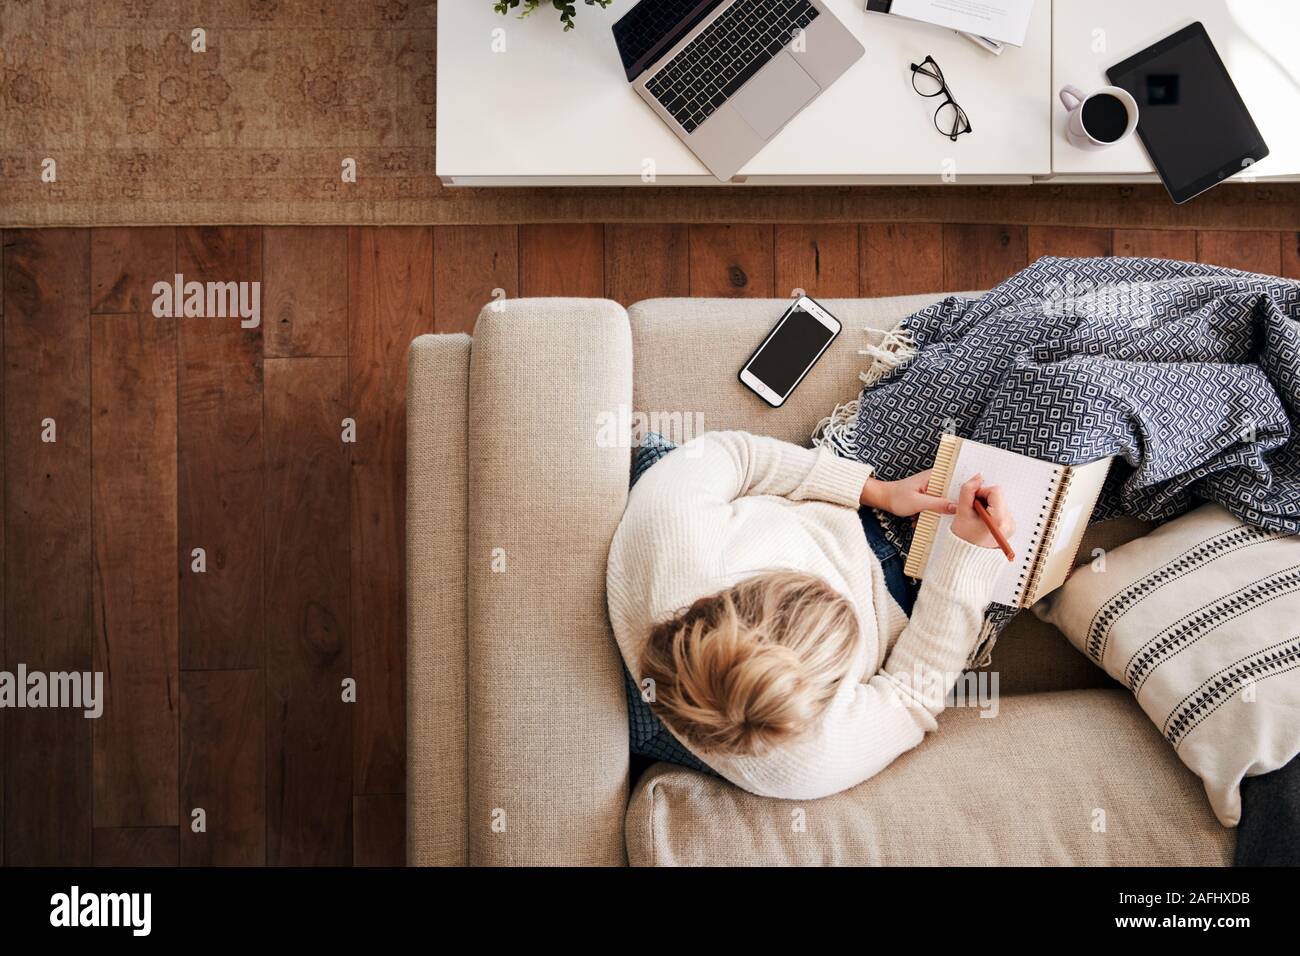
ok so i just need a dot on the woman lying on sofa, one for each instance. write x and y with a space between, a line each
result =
763 613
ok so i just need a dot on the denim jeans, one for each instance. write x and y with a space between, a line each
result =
649 739
900 585
1269 831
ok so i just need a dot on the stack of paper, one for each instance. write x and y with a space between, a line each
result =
990 23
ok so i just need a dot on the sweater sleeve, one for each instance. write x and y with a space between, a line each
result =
946 620
724 466
887 715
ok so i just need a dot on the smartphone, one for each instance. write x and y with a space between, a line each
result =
790 351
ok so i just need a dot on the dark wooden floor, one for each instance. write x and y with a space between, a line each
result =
224 688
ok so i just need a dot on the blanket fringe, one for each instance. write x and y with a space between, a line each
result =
836 431
983 653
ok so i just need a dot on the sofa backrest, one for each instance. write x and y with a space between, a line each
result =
686 353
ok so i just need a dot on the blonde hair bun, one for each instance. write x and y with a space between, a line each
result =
741 671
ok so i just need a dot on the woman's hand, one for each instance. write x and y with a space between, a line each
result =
906 497
968 525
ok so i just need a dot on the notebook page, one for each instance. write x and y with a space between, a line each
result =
1027 484
1066 527
1080 497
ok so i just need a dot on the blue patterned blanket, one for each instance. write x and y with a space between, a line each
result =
1189 374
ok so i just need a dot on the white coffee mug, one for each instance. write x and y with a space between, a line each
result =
1075 129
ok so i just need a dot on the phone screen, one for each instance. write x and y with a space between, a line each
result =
792 348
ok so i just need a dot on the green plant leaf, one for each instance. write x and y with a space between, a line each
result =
567 9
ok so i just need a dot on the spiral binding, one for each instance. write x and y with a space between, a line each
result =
1032 570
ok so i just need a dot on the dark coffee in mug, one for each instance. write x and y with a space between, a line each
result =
1105 117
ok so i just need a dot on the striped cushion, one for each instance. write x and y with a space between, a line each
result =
1200 620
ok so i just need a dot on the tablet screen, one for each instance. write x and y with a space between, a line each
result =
1190 116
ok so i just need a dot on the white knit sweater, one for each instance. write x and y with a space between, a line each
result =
730 505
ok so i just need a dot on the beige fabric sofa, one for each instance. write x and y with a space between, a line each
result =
516 718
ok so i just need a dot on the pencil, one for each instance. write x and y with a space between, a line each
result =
998 536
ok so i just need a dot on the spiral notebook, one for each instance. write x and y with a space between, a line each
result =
1050 504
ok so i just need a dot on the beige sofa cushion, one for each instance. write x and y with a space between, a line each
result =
687 353
437 485
547 715
1076 777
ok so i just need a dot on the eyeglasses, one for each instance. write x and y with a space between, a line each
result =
949 119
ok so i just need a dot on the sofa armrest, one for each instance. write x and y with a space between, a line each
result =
547 716
437 394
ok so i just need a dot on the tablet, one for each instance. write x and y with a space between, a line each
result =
1191 119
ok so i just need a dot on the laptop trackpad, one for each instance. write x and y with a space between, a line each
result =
769 100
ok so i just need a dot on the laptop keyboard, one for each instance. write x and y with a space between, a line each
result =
711 68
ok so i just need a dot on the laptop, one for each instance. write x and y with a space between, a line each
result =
727 75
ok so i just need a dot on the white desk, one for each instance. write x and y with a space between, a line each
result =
1259 41
553 108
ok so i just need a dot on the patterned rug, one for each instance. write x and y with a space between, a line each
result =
143 130
255 129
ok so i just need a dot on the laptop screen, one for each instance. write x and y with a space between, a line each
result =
653 26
